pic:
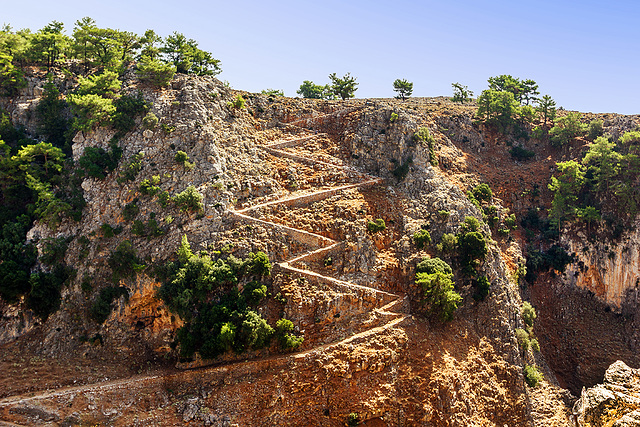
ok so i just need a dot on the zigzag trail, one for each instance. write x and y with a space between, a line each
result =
391 308
275 148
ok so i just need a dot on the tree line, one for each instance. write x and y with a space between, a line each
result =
92 47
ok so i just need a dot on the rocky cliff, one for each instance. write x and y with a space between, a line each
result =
299 180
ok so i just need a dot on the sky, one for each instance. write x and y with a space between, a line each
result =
585 54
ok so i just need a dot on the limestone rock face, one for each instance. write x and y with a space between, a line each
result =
616 402
611 270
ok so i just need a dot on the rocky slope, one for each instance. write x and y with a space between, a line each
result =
299 180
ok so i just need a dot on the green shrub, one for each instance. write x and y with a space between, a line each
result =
272 92
402 169
44 297
438 292
102 306
108 231
482 286
422 135
138 228
127 109
353 419
96 162
448 244
154 72
433 265
535 345
472 247
167 128
522 337
123 261
84 242
596 129
566 129
181 157
164 198
254 292
189 200
204 293
288 341
376 226
528 314
150 187
130 210
521 154
132 168
50 113
53 250
150 121
91 111
394 117
422 238
511 222
86 284
532 375
443 214
470 224
482 192
238 103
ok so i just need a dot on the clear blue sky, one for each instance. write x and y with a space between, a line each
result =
585 54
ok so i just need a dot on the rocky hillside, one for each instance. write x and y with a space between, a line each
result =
334 193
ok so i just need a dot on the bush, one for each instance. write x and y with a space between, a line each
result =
566 129
50 114
472 248
596 129
127 109
482 192
53 250
150 121
154 72
130 211
521 154
123 261
422 135
422 238
433 265
91 110
434 277
528 314
189 200
402 169
150 187
394 117
132 168
353 419
181 157
257 264
522 337
511 222
254 292
376 226
44 297
102 306
535 345
482 286
238 103
448 244
164 198
532 375
96 162
288 341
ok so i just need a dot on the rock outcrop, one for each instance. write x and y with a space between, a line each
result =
615 402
